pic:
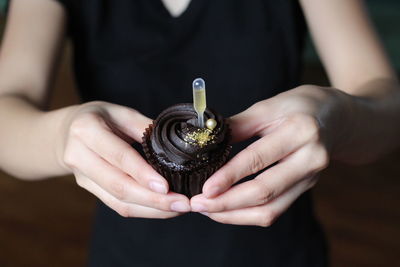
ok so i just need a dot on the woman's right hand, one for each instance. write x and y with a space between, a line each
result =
95 144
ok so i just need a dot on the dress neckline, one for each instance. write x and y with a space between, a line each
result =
187 12
172 10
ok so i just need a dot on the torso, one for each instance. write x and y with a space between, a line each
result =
139 54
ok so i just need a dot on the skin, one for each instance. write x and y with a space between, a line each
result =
301 129
176 7
304 128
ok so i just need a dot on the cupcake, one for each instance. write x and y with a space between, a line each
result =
185 154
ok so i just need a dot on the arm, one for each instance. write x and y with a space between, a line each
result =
92 141
356 64
302 129
28 56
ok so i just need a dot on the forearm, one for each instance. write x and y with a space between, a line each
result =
28 139
373 127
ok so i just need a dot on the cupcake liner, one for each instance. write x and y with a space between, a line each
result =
187 182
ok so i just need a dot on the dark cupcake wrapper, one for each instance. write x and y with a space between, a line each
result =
188 182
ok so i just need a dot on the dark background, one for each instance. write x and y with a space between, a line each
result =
48 223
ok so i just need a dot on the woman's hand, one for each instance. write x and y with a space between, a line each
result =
95 144
298 130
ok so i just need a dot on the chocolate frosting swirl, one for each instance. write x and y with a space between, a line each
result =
170 127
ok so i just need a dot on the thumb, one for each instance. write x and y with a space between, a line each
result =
130 121
257 120
243 125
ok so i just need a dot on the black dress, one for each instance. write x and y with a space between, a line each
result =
134 53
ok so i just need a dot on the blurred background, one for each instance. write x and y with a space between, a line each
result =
48 223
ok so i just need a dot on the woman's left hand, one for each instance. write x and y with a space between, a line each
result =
298 130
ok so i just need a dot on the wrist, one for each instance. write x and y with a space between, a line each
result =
370 124
347 121
55 123
61 120
336 112
28 140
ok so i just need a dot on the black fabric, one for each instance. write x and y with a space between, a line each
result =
134 53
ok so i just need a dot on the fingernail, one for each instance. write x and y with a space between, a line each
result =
198 207
158 187
213 191
180 206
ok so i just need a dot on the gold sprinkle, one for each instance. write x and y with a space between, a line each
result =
200 136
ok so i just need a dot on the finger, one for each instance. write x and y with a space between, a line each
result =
95 133
128 120
263 215
257 156
258 119
243 125
122 186
122 208
266 186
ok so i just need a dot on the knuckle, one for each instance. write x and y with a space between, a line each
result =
121 158
302 87
321 159
118 190
98 103
79 181
267 218
79 126
259 107
228 181
69 159
305 125
227 176
294 119
221 219
291 123
256 161
220 206
82 124
312 181
158 202
264 194
124 211
313 128
309 126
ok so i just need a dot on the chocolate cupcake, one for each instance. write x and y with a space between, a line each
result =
185 154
